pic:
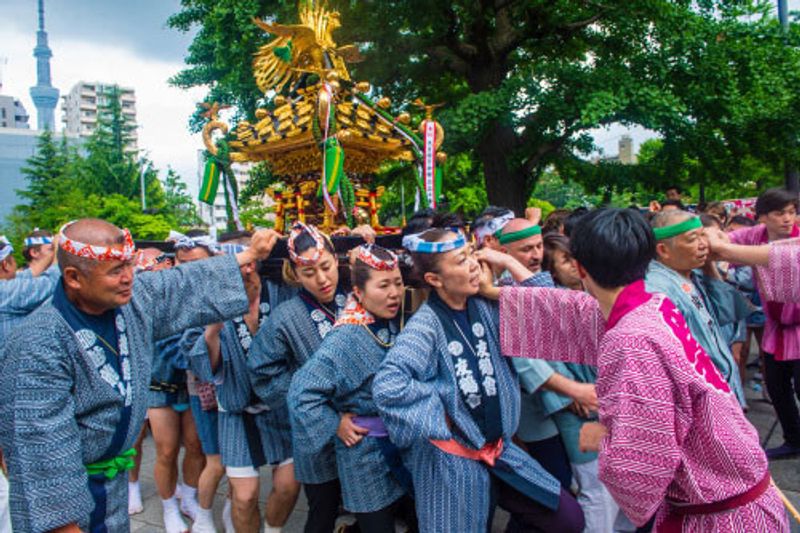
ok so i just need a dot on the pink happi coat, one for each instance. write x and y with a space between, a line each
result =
780 280
675 431
781 336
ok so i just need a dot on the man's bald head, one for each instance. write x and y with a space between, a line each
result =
669 218
685 251
88 231
527 248
517 224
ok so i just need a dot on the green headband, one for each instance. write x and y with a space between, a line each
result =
667 232
514 236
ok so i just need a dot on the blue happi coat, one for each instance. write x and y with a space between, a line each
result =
56 412
165 370
235 396
22 295
285 342
338 379
418 398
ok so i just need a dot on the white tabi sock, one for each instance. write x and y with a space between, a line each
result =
204 521
189 504
173 521
188 492
270 529
134 498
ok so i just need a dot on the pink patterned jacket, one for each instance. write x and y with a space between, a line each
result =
780 281
782 330
675 432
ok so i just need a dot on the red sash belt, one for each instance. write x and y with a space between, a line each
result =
488 454
675 514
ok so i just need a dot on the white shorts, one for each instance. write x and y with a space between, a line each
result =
248 471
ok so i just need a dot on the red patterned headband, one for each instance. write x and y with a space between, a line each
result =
366 255
319 244
125 252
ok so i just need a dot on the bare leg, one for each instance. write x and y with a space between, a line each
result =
209 481
745 356
193 458
133 473
166 428
738 353
246 518
282 497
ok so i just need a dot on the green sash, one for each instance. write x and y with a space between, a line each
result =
114 466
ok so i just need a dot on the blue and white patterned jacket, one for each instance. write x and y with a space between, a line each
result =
338 379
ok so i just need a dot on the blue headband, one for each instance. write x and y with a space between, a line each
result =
230 248
7 249
415 243
37 241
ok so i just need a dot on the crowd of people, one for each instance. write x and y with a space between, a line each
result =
584 372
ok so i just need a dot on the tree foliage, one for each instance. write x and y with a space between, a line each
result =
526 80
101 179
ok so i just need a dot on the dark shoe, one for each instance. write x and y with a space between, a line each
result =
783 451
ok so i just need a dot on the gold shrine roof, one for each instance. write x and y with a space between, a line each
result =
285 139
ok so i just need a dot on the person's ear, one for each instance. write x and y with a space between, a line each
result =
581 271
358 294
73 278
433 279
662 250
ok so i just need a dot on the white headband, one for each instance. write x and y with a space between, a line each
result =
182 242
7 249
37 241
416 244
493 226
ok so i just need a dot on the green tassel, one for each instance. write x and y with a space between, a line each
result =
208 189
334 167
348 200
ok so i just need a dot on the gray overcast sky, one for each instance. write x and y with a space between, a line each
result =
111 41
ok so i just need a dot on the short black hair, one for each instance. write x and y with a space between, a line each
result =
709 220
742 220
775 199
447 220
676 203
572 220
615 246
233 235
676 187
419 222
554 222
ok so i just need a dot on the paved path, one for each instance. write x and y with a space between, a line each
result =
786 474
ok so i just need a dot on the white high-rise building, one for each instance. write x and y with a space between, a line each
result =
12 113
86 99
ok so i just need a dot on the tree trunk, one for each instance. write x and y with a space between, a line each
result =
792 178
506 184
